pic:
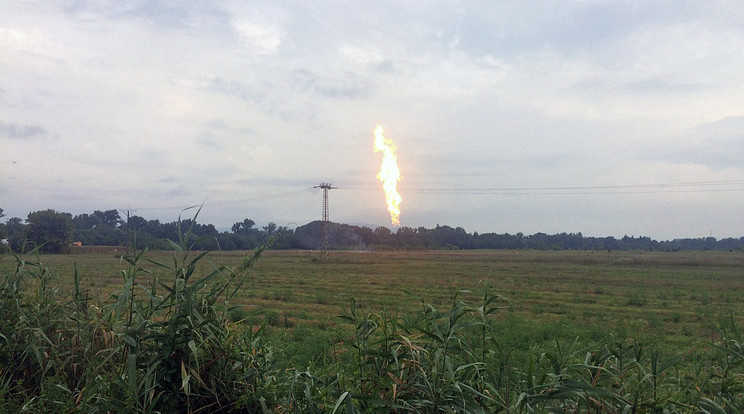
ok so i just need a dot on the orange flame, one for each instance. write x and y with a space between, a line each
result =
389 173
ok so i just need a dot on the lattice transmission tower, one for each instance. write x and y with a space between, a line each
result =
325 187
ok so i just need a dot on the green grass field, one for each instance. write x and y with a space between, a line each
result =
573 331
676 296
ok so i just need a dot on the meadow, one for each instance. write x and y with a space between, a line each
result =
676 296
511 331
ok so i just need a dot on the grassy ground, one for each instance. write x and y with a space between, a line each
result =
675 296
420 331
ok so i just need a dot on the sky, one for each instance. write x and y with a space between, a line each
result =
608 118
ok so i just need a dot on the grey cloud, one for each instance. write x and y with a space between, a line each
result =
221 126
217 124
167 15
347 86
236 89
661 85
386 66
648 86
207 139
217 130
16 131
176 191
278 182
717 145
505 167
150 153
731 128
506 30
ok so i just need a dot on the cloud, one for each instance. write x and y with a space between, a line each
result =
217 124
21 132
363 56
718 145
259 39
164 15
347 85
285 94
207 139
236 89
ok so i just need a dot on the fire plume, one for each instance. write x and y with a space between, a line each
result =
389 173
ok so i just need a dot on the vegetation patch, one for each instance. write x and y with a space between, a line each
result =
189 331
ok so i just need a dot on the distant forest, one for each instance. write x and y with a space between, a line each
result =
57 231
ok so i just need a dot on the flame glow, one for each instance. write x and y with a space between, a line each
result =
389 173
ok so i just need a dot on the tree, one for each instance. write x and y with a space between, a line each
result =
16 235
270 228
99 228
284 238
244 226
50 229
3 227
610 243
139 231
86 221
407 238
383 236
108 218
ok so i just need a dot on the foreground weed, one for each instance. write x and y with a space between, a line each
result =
178 350
424 364
169 340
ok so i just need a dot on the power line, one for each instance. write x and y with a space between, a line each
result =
619 189
680 187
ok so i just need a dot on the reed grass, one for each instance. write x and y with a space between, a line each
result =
180 334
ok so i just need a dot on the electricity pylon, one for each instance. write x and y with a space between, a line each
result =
325 187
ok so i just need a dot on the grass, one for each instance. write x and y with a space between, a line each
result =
418 331
586 288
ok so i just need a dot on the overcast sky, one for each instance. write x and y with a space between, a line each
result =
600 117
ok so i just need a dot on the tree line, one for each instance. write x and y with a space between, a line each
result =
56 232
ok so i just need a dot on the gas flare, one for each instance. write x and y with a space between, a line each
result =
389 173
